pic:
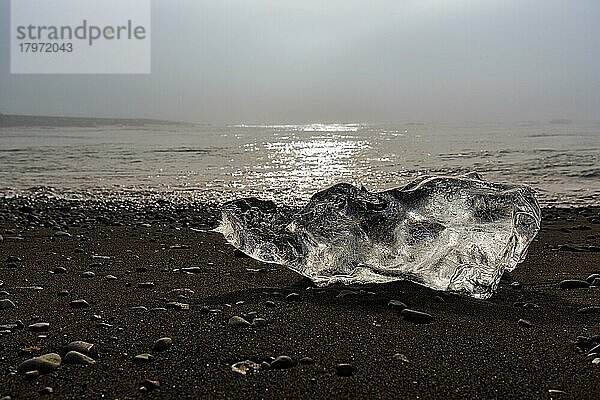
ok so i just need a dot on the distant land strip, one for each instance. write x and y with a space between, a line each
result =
55 121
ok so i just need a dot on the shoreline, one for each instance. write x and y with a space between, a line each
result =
473 348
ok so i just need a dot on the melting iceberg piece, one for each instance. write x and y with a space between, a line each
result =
448 233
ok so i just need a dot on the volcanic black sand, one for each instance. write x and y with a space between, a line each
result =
471 349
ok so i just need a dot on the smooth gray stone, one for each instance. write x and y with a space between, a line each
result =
6 304
162 344
75 357
42 364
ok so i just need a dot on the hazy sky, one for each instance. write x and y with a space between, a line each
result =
256 61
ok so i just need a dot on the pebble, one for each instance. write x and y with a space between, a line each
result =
162 344
243 367
269 304
43 364
416 317
306 361
516 285
6 304
79 304
396 305
589 310
344 370
75 357
590 279
146 285
596 360
110 278
573 284
60 270
265 365
236 320
143 358
150 384
46 390
80 346
192 270
400 357
62 234
88 274
259 322
63 293
39 327
345 293
282 362
524 323
175 305
556 391
13 259
293 297
240 254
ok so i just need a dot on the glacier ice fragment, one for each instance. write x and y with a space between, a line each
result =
447 233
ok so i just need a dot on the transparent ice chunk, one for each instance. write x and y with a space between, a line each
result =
447 233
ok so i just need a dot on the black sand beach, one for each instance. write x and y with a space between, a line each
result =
471 349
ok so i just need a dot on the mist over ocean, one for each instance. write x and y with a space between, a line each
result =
289 162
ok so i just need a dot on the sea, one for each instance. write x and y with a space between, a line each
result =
289 162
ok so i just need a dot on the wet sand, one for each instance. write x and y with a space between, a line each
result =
471 349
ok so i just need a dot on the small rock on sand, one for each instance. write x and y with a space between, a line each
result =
236 320
143 358
589 310
75 357
42 364
293 297
259 322
590 279
344 370
243 367
400 357
162 344
524 323
150 384
306 361
79 304
80 346
282 362
573 284
39 327
6 304
396 305
417 317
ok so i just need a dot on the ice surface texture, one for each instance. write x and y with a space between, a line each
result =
448 233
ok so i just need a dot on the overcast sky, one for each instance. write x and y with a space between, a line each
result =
256 61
